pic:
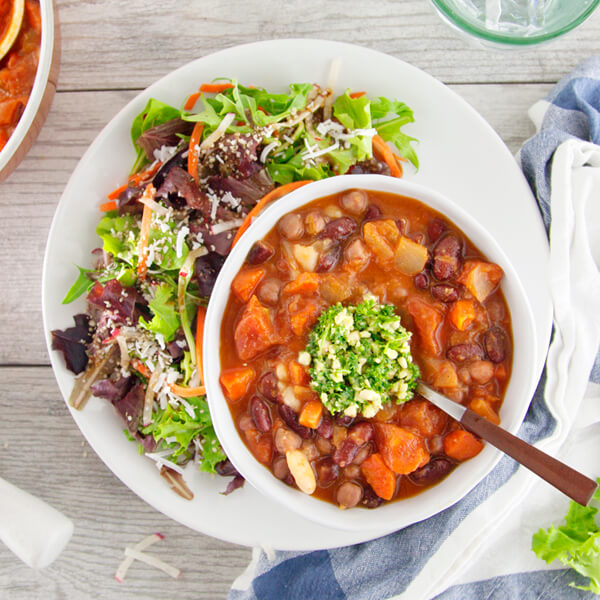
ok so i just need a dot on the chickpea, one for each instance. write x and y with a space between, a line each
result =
357 254
268 292
355 202
291 226
314 222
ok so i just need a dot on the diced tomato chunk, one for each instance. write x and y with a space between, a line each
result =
461 445
379 476
402 451
427 321
423 417
254 332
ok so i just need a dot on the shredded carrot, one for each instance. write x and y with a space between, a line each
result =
191 101
187 392
145 233
116 193
215 88
195 140
200 317
274 194
357 94
108 206
139 178
140 367
383 152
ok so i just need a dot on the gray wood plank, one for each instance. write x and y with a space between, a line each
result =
117 44
42 451
29 196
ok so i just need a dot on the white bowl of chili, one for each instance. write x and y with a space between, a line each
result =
235 415
23 113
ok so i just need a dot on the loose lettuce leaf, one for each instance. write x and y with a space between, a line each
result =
82 285
155 113
576 543
352 113
165 320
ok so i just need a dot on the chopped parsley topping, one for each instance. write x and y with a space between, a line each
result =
360 358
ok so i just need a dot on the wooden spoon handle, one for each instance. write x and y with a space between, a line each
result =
569 481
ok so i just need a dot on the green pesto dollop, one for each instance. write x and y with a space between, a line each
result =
360 358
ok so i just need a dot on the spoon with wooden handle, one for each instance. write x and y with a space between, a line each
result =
569 481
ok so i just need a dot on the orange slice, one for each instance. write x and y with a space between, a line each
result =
10 33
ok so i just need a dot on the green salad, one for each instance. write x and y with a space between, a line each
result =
360 358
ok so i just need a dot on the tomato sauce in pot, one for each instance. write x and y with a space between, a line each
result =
339 249
18 68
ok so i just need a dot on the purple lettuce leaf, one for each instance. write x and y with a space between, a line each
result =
112 390
73 342
131 407
164 134
123 303
207 270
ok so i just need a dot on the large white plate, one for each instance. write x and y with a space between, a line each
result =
460 155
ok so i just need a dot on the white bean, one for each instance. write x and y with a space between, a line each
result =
301 471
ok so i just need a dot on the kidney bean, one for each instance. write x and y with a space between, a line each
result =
421 280
325 428
339 229
314 222
267 386
268 291
291 419
447 258
328 259
291 226
462 352
343 420
362 455
432 472
481 371
280 468
361 433
417 237
349 494
259 253
260 414
327 471
373 212
444 292
354 201
286 440
494 342
435 229
346 452
370 499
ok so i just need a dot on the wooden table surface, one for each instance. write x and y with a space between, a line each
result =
111 49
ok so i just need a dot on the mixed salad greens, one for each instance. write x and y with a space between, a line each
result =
360 358
200 173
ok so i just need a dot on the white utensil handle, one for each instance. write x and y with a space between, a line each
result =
32 529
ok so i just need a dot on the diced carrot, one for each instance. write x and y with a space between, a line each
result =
187 392
462 314
215 88
191 101
236 382
195 140
402 451
381 237
245 282
305 283
484 408
200 318
303 316
108 206
461 445
480 278
423 417
254 332
427 321
383 152
357 94
298 374
274 194
311 414
379 476
116 193
261 445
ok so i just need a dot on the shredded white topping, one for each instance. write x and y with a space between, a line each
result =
267 150
226 226
181 234
164 153
217 133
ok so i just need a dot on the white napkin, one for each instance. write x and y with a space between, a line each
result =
495 538
32 529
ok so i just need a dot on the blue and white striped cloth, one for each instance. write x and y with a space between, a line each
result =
402 563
